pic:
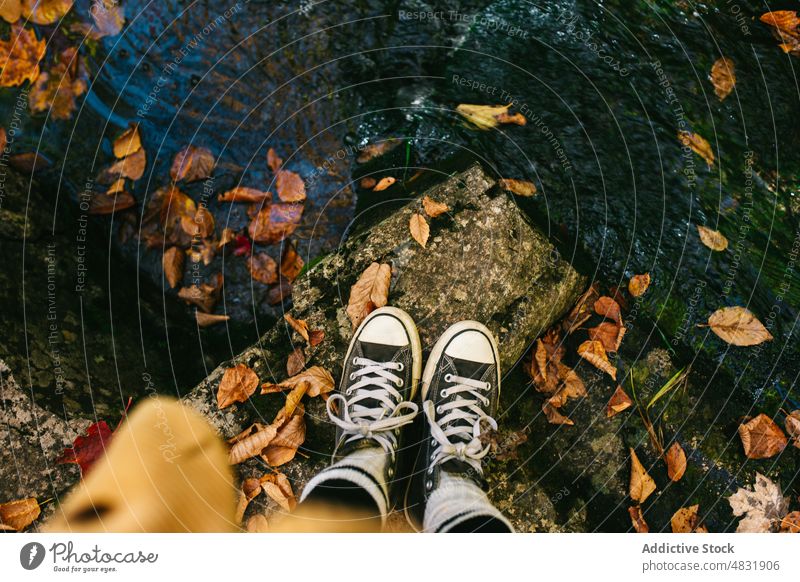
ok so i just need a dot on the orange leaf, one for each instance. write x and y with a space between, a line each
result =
109 204
593 352
639 284
723 77
369 292
572 387
676 461
619 401
376 149
434 208
207 319
291 262
172 262
129 142
237 385
791 522
291 434
785 20
368 183
419 229
641 483
45 11
278 488
245 194
686 520
554 416
20 56
251 442
58 88
19 514
609 334
637 519
263 268
290 186
274 223
762 438
698 145
299 325
518 187
384 183
713 239
581 311
205 295
609 308
273 161
192 163
792 425
296 361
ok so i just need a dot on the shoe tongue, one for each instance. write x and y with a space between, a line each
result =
379 352
469 369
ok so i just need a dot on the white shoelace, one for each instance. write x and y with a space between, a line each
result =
468 447
375 381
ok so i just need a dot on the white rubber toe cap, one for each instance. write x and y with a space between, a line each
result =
472 346
384 329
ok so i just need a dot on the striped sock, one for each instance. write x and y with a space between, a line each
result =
457 501
363 469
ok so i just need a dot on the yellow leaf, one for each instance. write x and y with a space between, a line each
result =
641 483
434 208
698 145
19 514
419 229
723 77
518 187
686 520
384 183
45 11
638 284
20 56
713 239
738 326
129 142
594 353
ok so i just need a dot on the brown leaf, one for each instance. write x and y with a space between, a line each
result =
57 89
593 352
419 228
384 183
291 434
228 235
280 292
204 251
207 319
638 284
249 490
376 149
489 116
609 308
518 187
713 239
723 77
263 268
274 223
201 225
290 186
296 361
618 402
515 119
29 162
318 381
19 514
544 368
738 326
554 416
237 385
762 438
131 167
192 163
315 337
676 461
172 263
791 523
278 488
204 296
698 145
245 194
434 208
3 139
571 387
686 520
129 142
45 11
258 524
785 27
251 442
581 311
116 187
368 183
20 56
637 519
273 161
291 262
792 425
641 483
108 204
299 325
370 292
609 334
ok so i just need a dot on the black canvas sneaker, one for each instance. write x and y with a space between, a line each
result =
460 394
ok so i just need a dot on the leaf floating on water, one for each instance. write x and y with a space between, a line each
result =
370 292
762 438
489 116
554 416
20 56
786 27
687 520
763 507
518 187
434 208
593 352
207 319
738 326
619 401
273 160
384 183
57 89
245 194
641 483
237 385
698 145
263 268
290 186
129 142
29 162
713 239
638 284
637 519
109 204
419 228
192 163
609 334
676 461
723 77
515 119
376 149
20 513
172 262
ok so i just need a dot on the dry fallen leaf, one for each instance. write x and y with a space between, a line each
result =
434 208
554 416
249 490
273 161
723 77
638 284
581 311
618 402
290 186
131 167
19 514
251 442
546 362
296 361
370 292
489 116
792 425
245 194
713 239
762 438
277 294
291 262
786 27
275 222
641 483
593 352
686 520
192 163
299 325
764 507
207 319
291 434
738 326
263 268
278 488
129 142
318 380
698 145
367 183
419 228
45 11
676 461
108 18
205 295
384 183
172 262
609 308
57 89
609 334
637 519
791 523
258 524
109 204
572 387
10 11
237 385
20 56
518 187
373 150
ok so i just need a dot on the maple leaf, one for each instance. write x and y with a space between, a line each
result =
738 326
763 507
762 438
20 56
58 88
370 292
87 448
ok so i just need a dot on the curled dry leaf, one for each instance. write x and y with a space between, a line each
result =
609 308
273 160
204 251
723 77
786 27
317 379
518 187
20 513
291 262
116 187
296 361
687 520
373 150
554 416
278 488
192 163
20 56
581 311
545 364
207 319
384 183
299 325
131 167
370 292
641 483
791 523
274 223
172 263
738 326
291 434
263 268
110 203
205 295
764 507
698 145
251 442
237 385
258 524
434 208
419 228
245 194
676 461
638 284
571 387
129 142
762 438
489 116
290 186
713 239
618 402
793 427
57 89
593 352
514 119
609 334
249 490
637 519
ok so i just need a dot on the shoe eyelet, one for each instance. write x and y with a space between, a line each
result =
390 472
355 361
400 383
438 410
448 377
352 376
443 393
429 485
433 455
401 366
486 402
